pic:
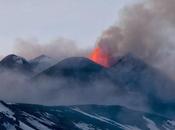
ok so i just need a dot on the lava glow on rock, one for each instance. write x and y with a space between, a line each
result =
100 57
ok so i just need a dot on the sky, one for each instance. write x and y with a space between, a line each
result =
45 20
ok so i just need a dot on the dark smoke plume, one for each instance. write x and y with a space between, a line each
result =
145 30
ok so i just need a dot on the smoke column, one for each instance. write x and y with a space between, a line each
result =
146 30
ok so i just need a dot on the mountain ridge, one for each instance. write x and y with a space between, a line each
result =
84 117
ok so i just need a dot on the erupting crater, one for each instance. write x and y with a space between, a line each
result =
100 57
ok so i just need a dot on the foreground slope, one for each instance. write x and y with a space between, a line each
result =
87 117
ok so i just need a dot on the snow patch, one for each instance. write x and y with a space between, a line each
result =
5 110
169 125
9 126
85 126
42 119
172 123
150 124
107 120
25 127
37 124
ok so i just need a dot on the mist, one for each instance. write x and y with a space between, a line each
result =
16 87
59 49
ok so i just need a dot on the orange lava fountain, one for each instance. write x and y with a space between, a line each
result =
100 57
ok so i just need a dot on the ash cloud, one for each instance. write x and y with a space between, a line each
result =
59 49
145 30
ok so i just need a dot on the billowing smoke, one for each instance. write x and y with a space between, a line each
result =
145 30
59 49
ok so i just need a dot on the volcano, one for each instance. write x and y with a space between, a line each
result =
74 68
129 73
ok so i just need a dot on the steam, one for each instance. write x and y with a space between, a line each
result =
145 30
50 91
60 48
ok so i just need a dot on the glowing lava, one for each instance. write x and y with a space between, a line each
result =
100 57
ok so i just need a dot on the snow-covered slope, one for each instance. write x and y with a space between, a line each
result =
42 63
87 117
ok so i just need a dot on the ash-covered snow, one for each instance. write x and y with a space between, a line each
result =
5 110
84 126
25 127
150 124
9 126
87 117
